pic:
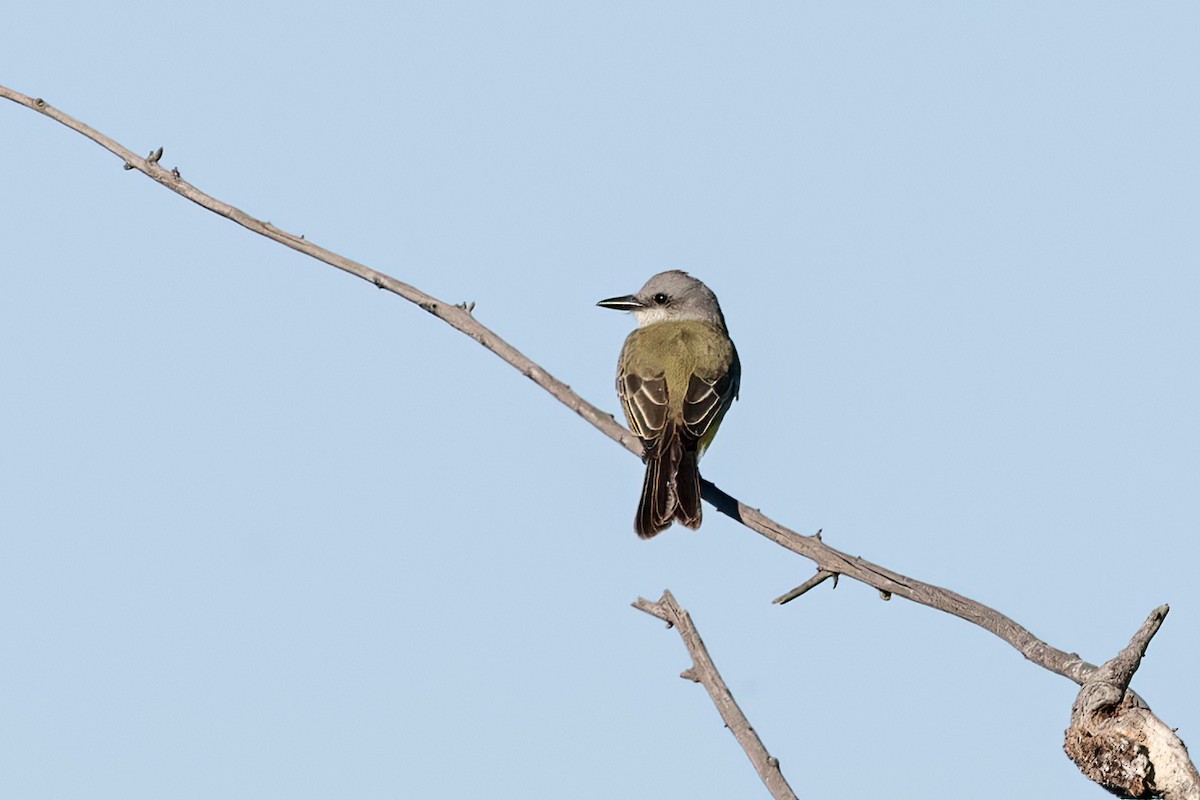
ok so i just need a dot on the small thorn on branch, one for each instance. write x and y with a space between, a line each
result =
813 582
155 155
817 535
175 173
465 306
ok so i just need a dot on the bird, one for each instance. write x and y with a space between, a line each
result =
677 375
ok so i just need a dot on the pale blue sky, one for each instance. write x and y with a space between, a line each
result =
266 531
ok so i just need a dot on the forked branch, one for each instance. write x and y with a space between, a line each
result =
704 672
1117 742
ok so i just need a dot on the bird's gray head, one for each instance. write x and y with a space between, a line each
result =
669 297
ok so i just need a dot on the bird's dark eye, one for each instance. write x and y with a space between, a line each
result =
661 298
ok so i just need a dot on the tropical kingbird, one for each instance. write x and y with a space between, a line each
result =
678 375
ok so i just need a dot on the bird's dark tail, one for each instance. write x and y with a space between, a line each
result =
671 490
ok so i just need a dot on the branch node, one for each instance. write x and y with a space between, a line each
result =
1116 741
155 155
689 674
175 173
465 306
885 595
817 535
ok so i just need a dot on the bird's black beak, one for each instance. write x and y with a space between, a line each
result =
624 303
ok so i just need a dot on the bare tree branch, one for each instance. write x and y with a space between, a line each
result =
457 316
1069 665
704 671
828 559
1117 742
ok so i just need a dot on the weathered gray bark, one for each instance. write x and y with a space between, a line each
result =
1117 742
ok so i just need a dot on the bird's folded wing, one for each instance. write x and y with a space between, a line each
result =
705 400
645 401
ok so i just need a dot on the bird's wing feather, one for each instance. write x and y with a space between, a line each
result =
645 401
706 400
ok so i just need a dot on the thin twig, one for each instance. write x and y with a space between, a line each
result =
812 583
704 671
